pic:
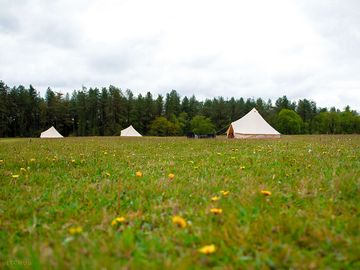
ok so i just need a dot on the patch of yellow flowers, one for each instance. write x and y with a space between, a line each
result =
179 221
118 221
265 192
216 211
207 249
75 230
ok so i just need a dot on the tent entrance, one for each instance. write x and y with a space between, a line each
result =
230 132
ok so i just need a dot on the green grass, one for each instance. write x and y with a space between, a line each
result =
310 221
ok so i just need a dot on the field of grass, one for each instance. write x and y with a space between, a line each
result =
59 200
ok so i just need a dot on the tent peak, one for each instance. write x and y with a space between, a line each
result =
130 131
51 133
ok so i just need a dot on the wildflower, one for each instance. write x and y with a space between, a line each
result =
266 192
216 211
73 161
215 198
138 174
179 221
75 230
224 193
1 161
207 249
23 170
171 176
15 176
32 159
117 221
242 167
105 153
107 174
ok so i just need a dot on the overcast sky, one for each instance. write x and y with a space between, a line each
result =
258 48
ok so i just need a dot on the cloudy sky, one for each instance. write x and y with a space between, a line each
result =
258 48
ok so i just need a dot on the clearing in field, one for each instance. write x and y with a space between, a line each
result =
256 204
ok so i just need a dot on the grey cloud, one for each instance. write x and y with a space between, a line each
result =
8 24
46 39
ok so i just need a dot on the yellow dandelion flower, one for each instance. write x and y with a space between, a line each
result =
266 192
32 159
138 174
118 220
171 176
224 193
215 198
15 176
207 249
179 221
216 211
75 230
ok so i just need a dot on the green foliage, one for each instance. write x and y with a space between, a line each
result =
202 125
289 122
105 111
310 221
163 127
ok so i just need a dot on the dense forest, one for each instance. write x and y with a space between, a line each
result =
105 111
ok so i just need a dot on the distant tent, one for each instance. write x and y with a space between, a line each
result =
51 133
252 125
130 132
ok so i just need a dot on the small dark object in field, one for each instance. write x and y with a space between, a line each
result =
192 135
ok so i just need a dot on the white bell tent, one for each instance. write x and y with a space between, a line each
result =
130 132
51 133
252 125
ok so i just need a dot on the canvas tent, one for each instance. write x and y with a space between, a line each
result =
130 132
51 133
252 125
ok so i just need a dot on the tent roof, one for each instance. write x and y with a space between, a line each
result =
253 123
51 133
130 132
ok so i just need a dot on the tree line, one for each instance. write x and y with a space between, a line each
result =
105 111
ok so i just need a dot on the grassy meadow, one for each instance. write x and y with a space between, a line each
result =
110 203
